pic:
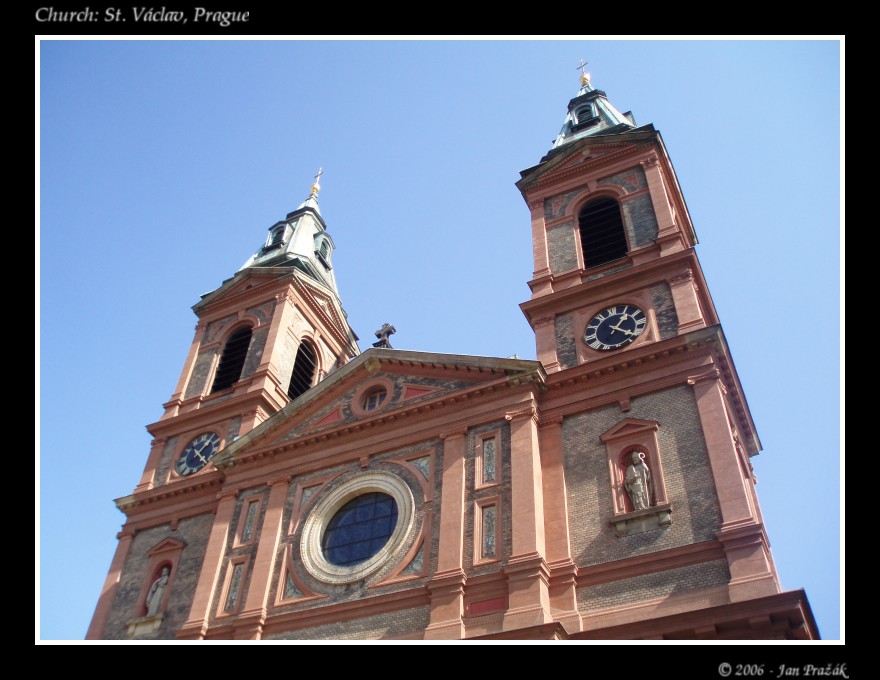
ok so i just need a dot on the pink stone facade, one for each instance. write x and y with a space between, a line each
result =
509 472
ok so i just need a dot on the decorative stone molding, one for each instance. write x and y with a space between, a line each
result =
527 411
679 279
649 162
713 374
311 551
621 441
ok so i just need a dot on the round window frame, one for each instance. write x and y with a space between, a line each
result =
357 399
313 529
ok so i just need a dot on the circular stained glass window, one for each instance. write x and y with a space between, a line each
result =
360 529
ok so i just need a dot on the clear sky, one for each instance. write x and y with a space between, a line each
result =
163 163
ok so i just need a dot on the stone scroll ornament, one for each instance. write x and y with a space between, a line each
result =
638 482
156 592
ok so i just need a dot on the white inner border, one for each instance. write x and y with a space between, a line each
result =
327 507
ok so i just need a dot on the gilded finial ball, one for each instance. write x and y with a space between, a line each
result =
585 78
316 188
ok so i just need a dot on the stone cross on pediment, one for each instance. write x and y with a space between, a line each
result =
383 333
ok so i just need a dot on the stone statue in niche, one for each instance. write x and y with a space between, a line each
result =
638 482
157 592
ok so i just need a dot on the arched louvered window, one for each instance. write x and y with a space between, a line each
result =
303 370
602 234
277 237
583 113
325 249
232 360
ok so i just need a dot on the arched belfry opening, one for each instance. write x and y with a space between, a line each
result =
602 234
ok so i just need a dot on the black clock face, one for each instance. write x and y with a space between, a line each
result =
197 453
615 327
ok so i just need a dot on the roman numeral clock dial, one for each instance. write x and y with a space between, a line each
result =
615 327
197 453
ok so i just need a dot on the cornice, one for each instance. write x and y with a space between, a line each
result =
656 270
199 485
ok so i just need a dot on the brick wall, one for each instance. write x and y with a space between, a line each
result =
632 179
651 586
561 248
255 352
169 451
639 220
198 379
566 347
397 624
664 308
193 531
689 483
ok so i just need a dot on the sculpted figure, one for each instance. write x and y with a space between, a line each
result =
638 482
156 592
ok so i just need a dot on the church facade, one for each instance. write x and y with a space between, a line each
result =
298 488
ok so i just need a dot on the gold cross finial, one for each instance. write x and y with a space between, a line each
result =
585 75
316 187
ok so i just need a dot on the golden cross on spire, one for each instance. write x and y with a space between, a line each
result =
316 187
585 75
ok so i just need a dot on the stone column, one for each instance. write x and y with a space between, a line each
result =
199 614
447 585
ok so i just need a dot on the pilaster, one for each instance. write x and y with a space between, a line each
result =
249 623
111 585
742 536
447 587
199 614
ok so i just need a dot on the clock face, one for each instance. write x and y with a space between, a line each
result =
615 327
197 453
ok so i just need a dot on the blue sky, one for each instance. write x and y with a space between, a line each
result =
163 163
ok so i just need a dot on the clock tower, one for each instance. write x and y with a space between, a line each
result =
622 315
263 338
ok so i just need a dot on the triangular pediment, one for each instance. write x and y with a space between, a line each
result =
247 280
407 382
581 151
627 427
323 303
165 546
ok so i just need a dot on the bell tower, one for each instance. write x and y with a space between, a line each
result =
609 224
622 313
263 338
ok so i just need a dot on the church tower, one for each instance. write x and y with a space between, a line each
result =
299 489
263 338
